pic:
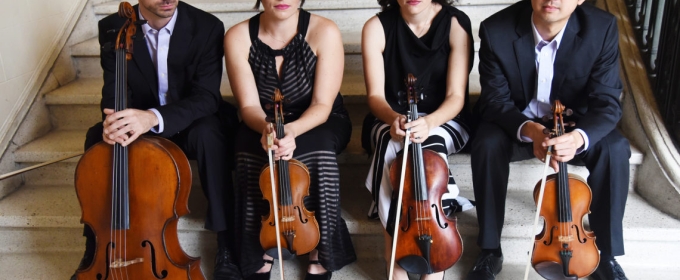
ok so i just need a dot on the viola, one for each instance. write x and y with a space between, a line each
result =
428 240
132 197
564 249
285 184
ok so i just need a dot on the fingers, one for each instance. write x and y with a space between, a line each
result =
285 147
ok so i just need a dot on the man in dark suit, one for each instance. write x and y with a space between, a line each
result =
174 92
532 53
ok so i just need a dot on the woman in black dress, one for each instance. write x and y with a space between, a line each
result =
433 41
301 54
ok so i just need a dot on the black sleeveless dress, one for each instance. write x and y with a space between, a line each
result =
317 148
427 58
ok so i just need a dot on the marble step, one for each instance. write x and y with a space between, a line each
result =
348 15
86 61
35 266
38 219
523 174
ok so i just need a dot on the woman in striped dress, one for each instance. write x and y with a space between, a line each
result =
301 54
431 40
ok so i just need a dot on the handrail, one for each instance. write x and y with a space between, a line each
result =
20 171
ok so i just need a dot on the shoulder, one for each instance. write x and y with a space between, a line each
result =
592 17
322 31
238 32
373 24
321 26
199 17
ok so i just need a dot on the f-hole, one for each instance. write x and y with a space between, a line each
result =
408 220
439 222
551 236
163 273
578 234
108 261
303 220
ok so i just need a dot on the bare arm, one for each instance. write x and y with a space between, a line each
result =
372 48
456 77
325 40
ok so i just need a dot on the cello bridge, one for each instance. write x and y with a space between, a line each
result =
120 263
565 239
423 219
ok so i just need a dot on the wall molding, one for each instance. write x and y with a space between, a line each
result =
36 81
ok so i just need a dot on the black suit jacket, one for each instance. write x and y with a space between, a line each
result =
586 70
194 68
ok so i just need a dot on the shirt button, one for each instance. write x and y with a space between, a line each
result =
542 80
542 100
162 75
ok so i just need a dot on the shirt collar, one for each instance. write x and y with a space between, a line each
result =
538 38
169 27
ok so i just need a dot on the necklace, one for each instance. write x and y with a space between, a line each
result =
425 28
272 36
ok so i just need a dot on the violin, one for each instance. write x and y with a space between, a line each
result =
132 197
564 249
289 229
428 240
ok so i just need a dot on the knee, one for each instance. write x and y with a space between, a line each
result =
490 138
206 130
94 135
614 145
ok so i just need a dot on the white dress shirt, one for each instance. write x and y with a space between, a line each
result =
545 59
158 43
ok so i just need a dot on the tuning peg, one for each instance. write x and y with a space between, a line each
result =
568 112
269 119
546 131
570 124
547 118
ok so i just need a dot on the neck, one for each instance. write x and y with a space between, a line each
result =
153 20
420 19
548 31
280 29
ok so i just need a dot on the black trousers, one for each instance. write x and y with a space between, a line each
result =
608 164
209 141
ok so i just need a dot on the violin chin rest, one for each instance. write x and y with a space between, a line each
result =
274 253
552 271
415 264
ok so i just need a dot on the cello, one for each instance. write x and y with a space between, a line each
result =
289 229
429 241
564 249
132 196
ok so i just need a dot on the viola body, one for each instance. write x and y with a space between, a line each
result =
428 240
557 237
299 228
159 182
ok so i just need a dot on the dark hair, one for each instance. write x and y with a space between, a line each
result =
389 4
257 4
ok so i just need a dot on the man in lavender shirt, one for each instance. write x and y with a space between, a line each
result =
533 53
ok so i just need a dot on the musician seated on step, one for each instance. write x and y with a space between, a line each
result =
433 41
174 92
285 47
532 53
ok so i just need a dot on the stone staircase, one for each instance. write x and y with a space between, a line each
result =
40 230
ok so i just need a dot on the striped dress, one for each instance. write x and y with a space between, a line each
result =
426 58
317 149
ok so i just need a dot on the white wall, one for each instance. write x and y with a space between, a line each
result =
29 32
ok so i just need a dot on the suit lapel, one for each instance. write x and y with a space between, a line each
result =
524 52
180 41
565 55
142 59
